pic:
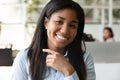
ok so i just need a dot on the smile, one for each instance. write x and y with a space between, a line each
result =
61 38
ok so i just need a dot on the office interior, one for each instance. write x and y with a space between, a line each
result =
18 20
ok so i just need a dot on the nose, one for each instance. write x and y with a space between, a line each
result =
64 29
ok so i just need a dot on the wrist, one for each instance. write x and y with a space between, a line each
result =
69 71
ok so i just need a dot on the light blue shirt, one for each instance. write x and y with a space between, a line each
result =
20 69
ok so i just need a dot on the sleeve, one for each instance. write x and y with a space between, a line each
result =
74 76
19 71
89 66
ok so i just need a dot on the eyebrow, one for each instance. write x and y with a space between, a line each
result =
74 21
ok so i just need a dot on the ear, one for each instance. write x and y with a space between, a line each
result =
46 22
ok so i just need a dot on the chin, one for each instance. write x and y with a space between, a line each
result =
60 46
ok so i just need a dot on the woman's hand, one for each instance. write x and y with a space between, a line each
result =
58 62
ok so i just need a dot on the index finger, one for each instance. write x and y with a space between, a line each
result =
49 51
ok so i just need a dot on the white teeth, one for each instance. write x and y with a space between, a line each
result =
61 37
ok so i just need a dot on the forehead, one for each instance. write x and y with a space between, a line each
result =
106 30
66 13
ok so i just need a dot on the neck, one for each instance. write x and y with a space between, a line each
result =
60 50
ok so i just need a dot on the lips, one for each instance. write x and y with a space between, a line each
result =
61 38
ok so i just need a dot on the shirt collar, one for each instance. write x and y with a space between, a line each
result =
66 53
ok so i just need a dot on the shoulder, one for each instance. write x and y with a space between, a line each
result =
22 56
22 53
110 40
87 56
20 69
88 59
89 66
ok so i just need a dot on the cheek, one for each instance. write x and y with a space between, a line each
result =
73 33
107 34
51 32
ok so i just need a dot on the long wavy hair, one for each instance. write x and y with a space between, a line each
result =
75 53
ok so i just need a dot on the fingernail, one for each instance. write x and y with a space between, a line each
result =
43 49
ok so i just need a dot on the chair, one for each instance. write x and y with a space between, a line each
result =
6 57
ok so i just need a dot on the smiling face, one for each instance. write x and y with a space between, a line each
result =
61 28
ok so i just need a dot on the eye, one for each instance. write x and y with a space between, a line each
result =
59 22
73 25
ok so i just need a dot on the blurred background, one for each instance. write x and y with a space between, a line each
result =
18 20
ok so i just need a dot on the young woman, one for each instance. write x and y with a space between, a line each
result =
108 34
56 51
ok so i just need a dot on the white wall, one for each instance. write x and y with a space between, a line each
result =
107 71
14 34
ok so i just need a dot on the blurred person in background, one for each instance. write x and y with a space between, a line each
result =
108 35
